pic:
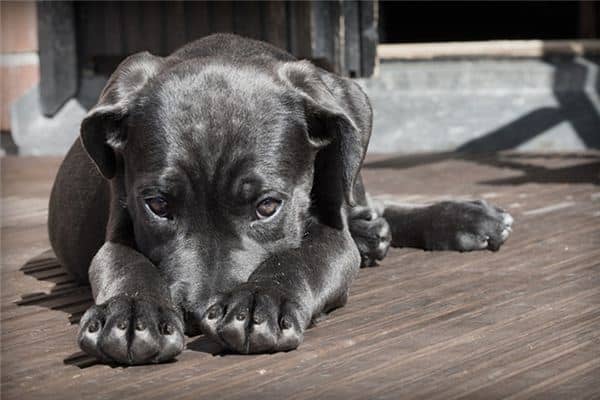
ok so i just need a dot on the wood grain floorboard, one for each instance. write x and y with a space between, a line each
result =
522 323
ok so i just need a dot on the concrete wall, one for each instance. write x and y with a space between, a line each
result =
477 105
485 105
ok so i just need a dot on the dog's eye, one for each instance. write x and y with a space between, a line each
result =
267 207
159 206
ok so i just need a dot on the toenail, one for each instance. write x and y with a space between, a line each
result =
258 319
140 326
285 323
212 313
93 326
241 316
168 329
122 325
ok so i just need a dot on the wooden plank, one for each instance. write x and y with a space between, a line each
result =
247 19
112 29
274 23
300 33
152 27
327 36
196 20
92 39
58 55
131 14
352 38
369 36
100 37
174 14
221 16
520 323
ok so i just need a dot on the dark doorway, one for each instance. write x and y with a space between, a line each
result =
416 21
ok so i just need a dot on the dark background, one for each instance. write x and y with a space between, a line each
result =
423 21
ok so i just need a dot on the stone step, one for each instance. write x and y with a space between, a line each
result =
485 105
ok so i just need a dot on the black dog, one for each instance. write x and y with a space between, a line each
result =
217 190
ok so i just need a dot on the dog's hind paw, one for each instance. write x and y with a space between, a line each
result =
371 234
468 226
131 331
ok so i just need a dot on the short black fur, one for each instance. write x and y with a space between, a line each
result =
207 134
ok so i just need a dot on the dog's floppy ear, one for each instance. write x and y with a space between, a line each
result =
338 117
101 129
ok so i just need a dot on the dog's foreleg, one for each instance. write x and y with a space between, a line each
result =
282 297
133 320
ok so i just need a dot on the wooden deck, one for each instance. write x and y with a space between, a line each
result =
521 323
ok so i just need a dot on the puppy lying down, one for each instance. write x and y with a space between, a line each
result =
218 191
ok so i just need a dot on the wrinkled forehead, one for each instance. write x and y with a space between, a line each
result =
217 119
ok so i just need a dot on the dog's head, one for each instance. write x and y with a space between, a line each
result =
219 166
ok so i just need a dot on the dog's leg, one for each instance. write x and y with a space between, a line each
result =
78 212
282 297
370 231
133 321
448 225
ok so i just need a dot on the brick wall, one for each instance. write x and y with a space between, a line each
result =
19 66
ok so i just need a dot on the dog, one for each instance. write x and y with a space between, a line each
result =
218 191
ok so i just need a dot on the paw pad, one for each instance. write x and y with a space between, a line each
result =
286 323
93 326
168 329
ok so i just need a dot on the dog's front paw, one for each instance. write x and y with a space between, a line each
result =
131 331
255 319
468 226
